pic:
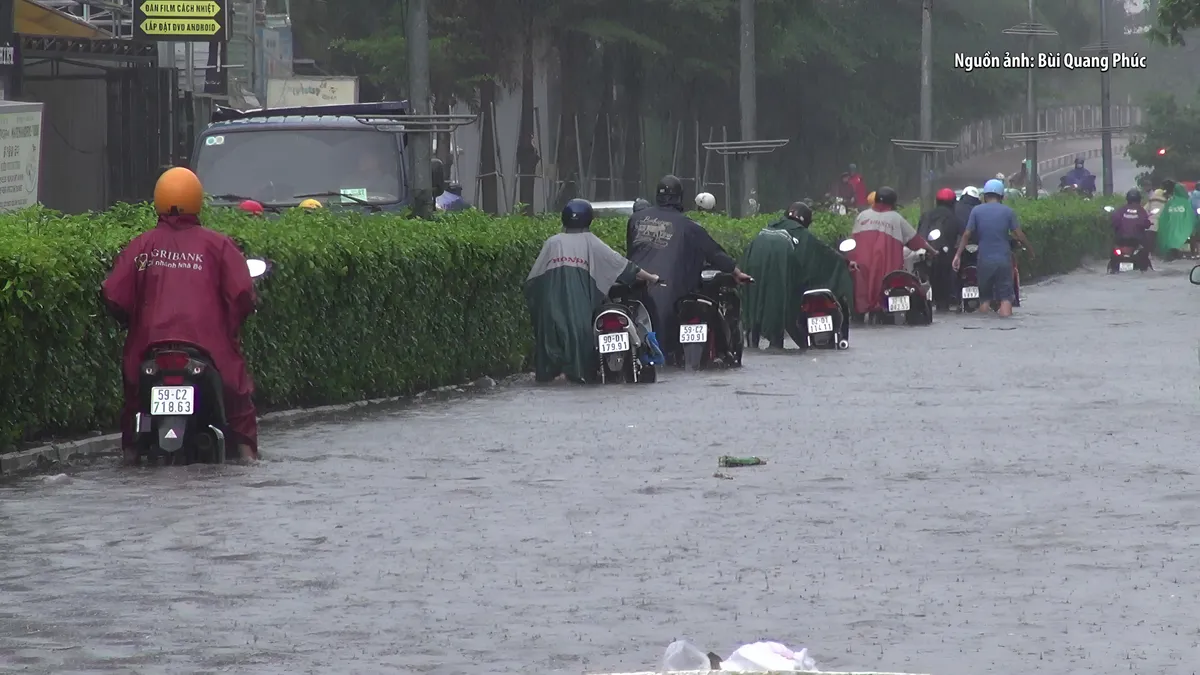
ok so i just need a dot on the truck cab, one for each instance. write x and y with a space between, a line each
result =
347 156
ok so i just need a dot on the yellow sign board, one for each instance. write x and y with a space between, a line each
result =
199 9
180 26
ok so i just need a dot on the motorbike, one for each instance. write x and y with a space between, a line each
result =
1085 188
709 318
625 337
908 294
822 320
182 410
1127 258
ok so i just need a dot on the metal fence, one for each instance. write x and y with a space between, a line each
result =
986 136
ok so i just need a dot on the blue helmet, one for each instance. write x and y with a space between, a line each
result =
577 215
994 187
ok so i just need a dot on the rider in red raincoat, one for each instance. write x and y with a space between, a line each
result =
181 282
880 235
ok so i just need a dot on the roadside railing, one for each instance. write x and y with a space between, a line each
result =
986 136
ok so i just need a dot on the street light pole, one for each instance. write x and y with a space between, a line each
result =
926 102
420 145
1031 29
1105 112
749 107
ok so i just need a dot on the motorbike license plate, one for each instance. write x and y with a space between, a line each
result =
820 324
1125 267
172 400
691 333
899 303
614 342
970 293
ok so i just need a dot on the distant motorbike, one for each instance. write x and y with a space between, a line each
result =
182 410
625 337
1085 188
710 323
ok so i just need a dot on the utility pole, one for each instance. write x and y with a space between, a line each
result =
9 68
1031 29
749 108
1105 112
926 103
420 145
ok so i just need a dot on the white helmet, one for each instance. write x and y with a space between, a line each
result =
1000 176
705 201
971 191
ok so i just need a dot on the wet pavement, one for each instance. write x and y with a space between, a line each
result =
977 170
976 497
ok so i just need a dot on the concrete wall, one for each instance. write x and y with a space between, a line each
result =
74 165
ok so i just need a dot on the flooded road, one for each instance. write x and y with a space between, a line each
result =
976 497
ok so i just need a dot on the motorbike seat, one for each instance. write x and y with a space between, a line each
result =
193 351
819 291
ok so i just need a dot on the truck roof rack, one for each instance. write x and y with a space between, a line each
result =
358 110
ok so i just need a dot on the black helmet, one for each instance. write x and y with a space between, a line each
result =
1133 196
669 192
454 188
886 195
800 213
577 215
640 204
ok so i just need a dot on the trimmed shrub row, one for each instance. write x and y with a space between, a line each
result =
359 306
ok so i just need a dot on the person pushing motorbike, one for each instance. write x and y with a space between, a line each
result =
182 282
786 260
880 234
663 238
943 219
993 222
569 280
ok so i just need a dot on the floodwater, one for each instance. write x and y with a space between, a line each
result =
977 497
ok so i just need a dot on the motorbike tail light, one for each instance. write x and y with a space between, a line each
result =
897 281
613 322
819 303
969 277
172 380
171 360
1116 251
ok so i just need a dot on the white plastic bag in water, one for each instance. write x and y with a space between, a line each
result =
767 656
682 655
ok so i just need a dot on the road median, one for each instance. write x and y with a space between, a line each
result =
359 307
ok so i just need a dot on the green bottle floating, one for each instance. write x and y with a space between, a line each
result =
728 462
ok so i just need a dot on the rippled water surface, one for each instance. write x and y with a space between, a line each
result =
959 499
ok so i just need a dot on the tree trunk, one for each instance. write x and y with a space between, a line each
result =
489 184
567 160
632 166
527 152
602 169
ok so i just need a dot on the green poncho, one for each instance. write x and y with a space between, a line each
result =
569 280
786 260
1176 222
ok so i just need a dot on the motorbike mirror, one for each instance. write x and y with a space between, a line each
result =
1109 209
847 246
934 235
1194 277
257 267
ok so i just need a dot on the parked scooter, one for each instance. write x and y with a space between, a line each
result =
822 320
625 338
182 418
710 322
1130 257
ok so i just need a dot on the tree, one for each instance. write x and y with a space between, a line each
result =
1174 128
1175 17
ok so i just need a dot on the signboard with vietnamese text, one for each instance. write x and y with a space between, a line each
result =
181 20
20 154
285 92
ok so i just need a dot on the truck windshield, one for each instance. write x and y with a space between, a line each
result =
274 165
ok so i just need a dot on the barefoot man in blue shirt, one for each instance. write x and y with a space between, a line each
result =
993 222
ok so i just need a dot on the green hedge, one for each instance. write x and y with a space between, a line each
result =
358 306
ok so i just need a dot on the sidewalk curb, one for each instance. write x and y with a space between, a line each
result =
56 456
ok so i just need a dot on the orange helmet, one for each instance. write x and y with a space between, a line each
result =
178 192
